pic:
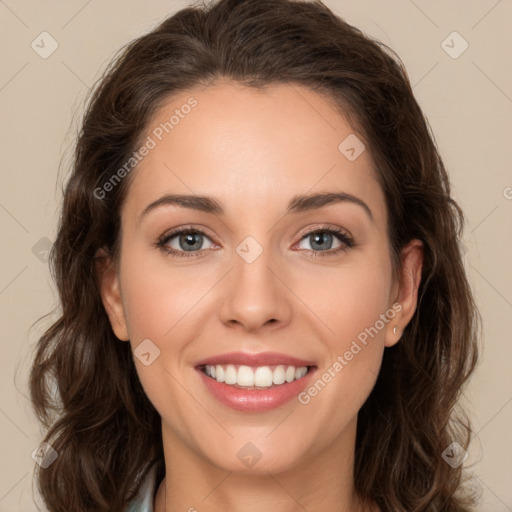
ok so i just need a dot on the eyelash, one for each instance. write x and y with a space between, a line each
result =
338 233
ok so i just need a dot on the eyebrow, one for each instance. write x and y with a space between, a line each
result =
299 203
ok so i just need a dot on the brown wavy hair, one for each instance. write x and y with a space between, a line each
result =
83 383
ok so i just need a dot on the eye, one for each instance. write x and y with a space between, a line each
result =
321 241
183 242
188 242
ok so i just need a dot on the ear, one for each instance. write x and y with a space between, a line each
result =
405 291
108 283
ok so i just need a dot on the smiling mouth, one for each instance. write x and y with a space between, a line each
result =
255 377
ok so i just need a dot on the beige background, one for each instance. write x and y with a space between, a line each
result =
468 101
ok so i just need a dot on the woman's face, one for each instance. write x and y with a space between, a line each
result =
266 281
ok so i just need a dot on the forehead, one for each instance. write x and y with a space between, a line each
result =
252 149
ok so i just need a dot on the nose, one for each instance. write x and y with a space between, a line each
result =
255 295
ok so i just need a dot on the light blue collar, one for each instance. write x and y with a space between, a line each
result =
143 502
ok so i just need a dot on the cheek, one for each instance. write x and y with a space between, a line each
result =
354 303
157 297
160 305
352 298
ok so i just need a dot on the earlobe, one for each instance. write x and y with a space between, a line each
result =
108 283
407 294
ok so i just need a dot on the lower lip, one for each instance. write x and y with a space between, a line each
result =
255 400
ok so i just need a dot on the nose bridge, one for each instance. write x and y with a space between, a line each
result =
254 295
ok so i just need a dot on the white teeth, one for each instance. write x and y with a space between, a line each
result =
279 375
245 376
263 377
259 377
230 374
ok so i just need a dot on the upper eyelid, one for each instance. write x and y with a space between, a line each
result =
171 233
325 227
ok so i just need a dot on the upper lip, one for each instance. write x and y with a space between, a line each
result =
261 359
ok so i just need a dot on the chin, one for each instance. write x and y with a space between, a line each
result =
256 454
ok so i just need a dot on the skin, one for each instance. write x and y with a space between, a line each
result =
253 151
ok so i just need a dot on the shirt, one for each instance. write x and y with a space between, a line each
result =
143 501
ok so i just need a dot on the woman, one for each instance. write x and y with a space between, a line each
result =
211 353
